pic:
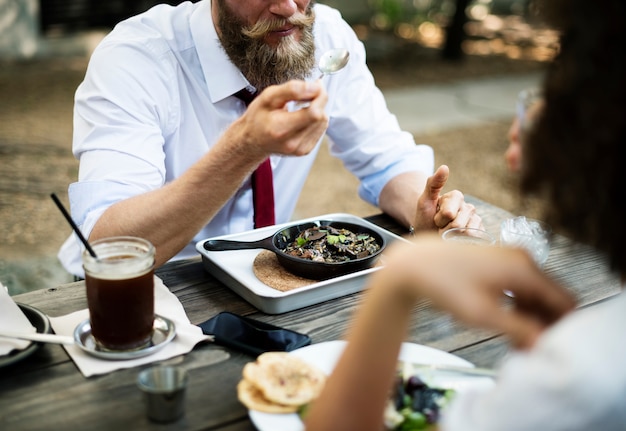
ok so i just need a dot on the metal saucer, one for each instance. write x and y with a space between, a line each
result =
164 332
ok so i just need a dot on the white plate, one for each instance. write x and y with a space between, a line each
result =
234 268
40 321
325 356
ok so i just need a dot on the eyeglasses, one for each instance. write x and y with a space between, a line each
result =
528 106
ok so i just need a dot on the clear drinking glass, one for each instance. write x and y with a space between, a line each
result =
529 234
529 105
468 236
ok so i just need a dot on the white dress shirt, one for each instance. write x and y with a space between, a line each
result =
158 93
573 380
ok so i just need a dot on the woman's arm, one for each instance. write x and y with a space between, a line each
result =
466 281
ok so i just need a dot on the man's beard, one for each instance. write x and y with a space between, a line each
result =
262 64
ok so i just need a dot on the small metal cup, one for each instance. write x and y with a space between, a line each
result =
164 392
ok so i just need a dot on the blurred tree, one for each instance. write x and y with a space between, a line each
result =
392 9
455 32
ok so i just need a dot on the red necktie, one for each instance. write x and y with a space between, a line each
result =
262 181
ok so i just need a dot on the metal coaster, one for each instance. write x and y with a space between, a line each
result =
164 332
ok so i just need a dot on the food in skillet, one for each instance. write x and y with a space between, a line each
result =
332 245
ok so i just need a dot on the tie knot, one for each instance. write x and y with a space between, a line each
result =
246 94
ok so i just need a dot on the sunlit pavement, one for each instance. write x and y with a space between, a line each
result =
468 103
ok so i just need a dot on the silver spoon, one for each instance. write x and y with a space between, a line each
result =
332 61
36 336
470 371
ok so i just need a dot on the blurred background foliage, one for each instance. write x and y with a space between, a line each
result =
456 27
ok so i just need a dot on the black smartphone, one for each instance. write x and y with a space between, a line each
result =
252 336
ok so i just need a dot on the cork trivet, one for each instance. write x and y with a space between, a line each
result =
267 269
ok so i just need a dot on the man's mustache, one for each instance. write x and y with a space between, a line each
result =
261 28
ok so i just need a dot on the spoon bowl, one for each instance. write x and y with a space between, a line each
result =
333 61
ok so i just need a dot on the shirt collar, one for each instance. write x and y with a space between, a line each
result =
222 78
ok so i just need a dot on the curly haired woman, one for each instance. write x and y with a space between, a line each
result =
568 370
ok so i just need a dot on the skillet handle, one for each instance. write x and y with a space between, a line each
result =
225 245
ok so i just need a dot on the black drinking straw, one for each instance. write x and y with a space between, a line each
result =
69 219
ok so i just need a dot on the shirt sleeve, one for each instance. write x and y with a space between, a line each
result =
121 121
120 124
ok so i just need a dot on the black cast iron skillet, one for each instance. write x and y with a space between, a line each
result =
304 267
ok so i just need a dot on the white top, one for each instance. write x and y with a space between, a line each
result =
159 92
574 379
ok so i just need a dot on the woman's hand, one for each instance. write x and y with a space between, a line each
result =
468 282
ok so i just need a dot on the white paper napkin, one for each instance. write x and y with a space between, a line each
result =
12 319
166 304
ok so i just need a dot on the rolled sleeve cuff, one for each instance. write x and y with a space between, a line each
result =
70 253
88 201
422 160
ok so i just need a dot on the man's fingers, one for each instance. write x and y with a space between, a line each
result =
436 182
277 96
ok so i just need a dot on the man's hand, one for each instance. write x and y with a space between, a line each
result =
268 127
441 212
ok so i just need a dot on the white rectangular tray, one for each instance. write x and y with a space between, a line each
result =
234 269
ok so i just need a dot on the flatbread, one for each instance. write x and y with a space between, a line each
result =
285 379
251 397
269 271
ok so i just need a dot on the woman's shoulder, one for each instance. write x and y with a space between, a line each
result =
585 352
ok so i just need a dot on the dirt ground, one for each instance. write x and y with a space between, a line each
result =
35 149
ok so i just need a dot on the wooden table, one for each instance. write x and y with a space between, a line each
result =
46 391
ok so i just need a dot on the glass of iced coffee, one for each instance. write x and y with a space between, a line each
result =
120 292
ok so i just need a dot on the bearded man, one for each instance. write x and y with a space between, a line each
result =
171 150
